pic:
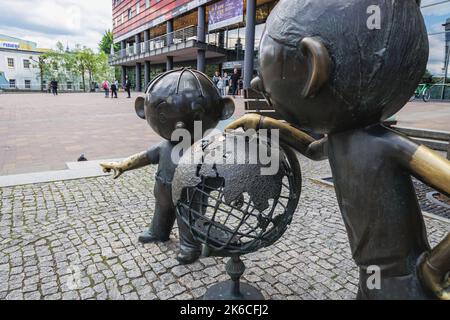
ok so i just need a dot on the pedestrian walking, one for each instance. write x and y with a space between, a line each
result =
54 86
106 88
114 87
235 82
127 86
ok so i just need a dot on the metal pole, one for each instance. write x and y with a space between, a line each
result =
249 43
201 36
445 72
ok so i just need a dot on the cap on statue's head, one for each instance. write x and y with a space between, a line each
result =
178 98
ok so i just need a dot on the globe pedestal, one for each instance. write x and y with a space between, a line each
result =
233 289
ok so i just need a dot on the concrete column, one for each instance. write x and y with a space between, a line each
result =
201 28
124 73
201 60
249 43
169 25
146 40
146 74
123 46
138 77
201 37
137 44
169 63
221 39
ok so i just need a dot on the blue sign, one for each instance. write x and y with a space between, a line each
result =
225 13
9 45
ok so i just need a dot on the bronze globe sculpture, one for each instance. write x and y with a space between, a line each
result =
233 209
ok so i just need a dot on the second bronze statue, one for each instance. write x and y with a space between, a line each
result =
324 70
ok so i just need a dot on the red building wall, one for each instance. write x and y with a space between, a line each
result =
158 9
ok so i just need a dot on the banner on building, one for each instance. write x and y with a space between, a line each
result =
9 45
225 13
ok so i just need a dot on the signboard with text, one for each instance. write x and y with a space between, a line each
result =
9 45
225 13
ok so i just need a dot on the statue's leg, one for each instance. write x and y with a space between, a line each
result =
190 249
163 218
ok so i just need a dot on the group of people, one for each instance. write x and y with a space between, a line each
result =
228 85
112 88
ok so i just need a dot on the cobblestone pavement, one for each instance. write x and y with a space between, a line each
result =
78 240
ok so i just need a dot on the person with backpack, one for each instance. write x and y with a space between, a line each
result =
114 89
106 88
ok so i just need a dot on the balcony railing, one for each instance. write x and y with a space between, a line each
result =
176 37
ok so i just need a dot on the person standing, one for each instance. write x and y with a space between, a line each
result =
106 88
127 86
226 82
114 89
218 82
54 86
235 82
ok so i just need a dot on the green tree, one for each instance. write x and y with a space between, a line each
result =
106 42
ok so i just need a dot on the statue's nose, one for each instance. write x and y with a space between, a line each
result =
257 84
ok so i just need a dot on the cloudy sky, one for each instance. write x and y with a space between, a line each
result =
48 21
84 21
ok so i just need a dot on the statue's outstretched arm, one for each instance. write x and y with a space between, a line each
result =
429 167
134 162
434 170
293 137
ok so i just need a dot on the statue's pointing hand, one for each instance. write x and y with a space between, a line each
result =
247 122
116 167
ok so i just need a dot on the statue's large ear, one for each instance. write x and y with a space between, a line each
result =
139 107
319 65
228 108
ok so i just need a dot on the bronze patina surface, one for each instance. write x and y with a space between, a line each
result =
324 69
174 100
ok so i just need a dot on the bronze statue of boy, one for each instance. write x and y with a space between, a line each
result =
174 100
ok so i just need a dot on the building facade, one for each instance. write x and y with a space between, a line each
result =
208 35
18 64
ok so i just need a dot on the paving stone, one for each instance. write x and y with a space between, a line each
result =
84 232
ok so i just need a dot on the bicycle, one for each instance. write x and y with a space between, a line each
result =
423 91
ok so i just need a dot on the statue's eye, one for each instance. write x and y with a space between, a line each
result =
162 108
162 117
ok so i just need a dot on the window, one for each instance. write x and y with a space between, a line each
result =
26 63
122 18
147 4
27 84
130 14
12 83
138 7
69 85
11 62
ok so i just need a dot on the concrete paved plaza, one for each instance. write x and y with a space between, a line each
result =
78 240
40 132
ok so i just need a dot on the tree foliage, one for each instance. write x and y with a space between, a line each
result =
106 42
80 65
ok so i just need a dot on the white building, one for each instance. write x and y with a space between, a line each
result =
19 68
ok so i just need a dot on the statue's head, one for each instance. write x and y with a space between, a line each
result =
178 98
335 65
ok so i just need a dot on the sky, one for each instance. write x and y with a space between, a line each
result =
84 22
